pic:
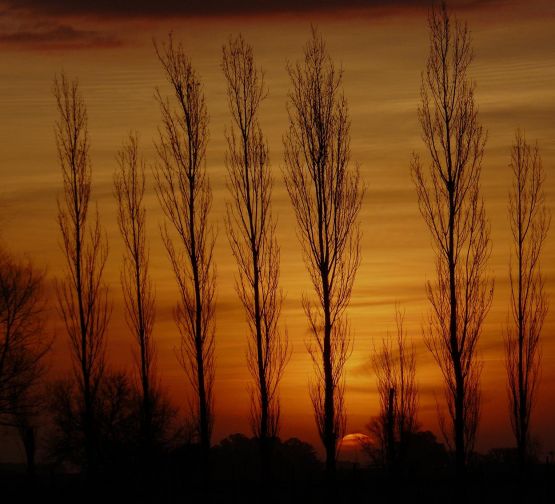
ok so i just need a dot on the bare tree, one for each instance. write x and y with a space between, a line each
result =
23 347
185 195
395 368
251 231
529 221
82 295
451 205
326 194
129 185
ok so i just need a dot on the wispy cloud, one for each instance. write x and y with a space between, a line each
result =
51 36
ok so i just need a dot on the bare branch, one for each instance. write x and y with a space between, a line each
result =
23 343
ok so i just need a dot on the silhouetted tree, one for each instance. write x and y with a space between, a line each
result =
251 231
117 424
529 222
185 195
118 421
129 185
450 203
82 294
395 368
23 347
326 194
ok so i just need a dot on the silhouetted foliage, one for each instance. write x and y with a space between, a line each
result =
82 294
185 195
252 234
425 453
529 222
236 457
422 452
451 205
326 194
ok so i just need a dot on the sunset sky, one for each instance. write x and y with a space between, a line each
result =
382 46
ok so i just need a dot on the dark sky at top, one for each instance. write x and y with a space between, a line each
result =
165 8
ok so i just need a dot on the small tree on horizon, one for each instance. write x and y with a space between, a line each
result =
395 367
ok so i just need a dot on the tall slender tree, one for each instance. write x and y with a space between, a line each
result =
326 193
529 221
451 205
129 189
252 235
184 192
82 295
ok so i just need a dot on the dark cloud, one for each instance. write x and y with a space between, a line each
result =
56 36
75 24
167 8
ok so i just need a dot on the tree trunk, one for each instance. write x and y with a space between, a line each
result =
329 406
390 430
29 443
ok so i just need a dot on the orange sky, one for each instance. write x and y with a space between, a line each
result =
382 53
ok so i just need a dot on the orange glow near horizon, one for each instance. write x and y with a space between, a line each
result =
382 58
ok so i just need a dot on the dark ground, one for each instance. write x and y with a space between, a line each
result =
356 485
231 473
